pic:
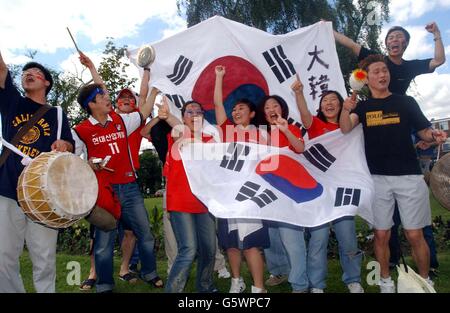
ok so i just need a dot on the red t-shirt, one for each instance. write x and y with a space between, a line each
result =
109 140
179 194
234 133
134 140
319 127
279 139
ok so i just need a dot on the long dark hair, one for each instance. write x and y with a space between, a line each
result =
261 116
320 114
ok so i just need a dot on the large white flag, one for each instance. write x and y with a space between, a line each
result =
244 180
257 63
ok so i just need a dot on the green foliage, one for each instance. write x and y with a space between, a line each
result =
156 222
355 19
74 239
150 173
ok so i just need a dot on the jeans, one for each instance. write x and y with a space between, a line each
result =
349 255
293 240
276 256
135 216
394 241
135 256
196 236
317 259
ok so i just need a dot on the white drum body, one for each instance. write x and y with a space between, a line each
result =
57 189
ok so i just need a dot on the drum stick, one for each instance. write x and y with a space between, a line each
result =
108 169
70 34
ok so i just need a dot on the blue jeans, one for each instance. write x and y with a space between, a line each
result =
135 256
276 257
317 261
293 240
195 235
135 217
349 255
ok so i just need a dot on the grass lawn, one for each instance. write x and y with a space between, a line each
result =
334 283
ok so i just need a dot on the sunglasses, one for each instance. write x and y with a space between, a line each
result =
190 113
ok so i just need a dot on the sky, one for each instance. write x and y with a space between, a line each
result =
41 25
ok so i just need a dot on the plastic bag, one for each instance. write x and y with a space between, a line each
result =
411 282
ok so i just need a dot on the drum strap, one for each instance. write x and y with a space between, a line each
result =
23 131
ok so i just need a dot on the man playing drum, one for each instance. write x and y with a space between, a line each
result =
15 228
105 133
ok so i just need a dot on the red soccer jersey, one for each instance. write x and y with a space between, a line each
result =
319 127
179 194
279 139
111 140
135 144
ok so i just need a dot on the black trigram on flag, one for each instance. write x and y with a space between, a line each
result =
248 192
177 100
346 196
181 70
233 160
294 122
318 156
279 63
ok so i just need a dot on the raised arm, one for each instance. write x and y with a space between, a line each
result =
305 114
147 108
145 131
221 115
3 72
347 120
439 51
297 144
165 114
347 42
143 90
86 61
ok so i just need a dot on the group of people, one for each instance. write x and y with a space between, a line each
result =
292 253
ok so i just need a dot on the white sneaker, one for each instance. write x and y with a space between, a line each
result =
237 285
387 285
355 288
316 290
258 290
429 281
223 273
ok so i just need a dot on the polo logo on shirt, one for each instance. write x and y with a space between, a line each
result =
377 118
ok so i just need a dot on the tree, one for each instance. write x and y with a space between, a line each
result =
359 20
113 67
150 173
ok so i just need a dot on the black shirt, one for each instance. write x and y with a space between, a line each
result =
387 125
15 111
401 75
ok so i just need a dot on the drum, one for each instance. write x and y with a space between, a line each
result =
57 189
440 181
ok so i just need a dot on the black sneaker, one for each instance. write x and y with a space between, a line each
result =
133 268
